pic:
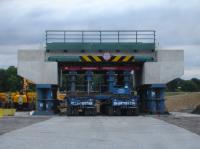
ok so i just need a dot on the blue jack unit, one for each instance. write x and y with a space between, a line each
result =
46 97
152 98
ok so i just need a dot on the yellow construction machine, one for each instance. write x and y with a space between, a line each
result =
24 100
3 99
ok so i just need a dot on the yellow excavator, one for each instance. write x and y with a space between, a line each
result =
24 100
3 99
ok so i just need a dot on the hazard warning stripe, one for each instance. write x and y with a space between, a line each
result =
96 58
111 59
86 58
126 58
116 59
93 58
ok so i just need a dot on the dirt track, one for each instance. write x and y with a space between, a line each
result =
182 102
188 122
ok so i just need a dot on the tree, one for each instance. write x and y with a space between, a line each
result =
3 79
192 85
13 81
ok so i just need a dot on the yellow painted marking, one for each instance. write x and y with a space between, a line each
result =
97 59
116 58
126 58
86 59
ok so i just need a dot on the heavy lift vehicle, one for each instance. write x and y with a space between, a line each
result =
112 90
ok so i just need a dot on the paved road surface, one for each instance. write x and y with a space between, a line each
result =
100 133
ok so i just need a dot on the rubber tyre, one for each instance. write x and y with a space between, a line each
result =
69 112
110 111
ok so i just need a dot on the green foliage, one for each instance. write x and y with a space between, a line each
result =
9 80
3 78
179 85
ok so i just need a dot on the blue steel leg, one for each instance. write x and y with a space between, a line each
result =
72 75
111 80
45 101
159 97
127 83
151 101
152 98
127 78
89 75
161 101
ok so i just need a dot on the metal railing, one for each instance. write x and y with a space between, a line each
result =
101 36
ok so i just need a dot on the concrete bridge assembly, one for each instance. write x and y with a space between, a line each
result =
105 71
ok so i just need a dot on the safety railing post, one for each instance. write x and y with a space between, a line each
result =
118 36
46 37
136 34
100 36
82 35
64 36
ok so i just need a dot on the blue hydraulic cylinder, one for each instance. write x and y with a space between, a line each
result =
111 80
127 75
72 80
127 81
89 77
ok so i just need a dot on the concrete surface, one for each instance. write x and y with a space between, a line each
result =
101 133
32 66
169 66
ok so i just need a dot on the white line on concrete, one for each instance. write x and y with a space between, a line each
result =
100 133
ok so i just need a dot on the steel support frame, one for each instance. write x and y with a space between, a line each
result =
46 99
151 98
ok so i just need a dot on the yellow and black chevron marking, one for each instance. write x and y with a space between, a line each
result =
92 58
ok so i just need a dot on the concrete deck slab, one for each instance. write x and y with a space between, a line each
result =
101 133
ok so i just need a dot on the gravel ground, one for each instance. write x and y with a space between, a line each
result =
186 121
8 124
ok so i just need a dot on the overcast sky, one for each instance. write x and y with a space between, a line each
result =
177 23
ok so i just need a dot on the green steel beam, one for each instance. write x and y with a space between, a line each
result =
92 47
143 58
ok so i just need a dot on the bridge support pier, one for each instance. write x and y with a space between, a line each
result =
152 98
46 99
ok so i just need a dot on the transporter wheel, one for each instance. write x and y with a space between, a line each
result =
86 112
117 112
69 112
110 111
90 112
136 112
130 112
75 112
94 112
